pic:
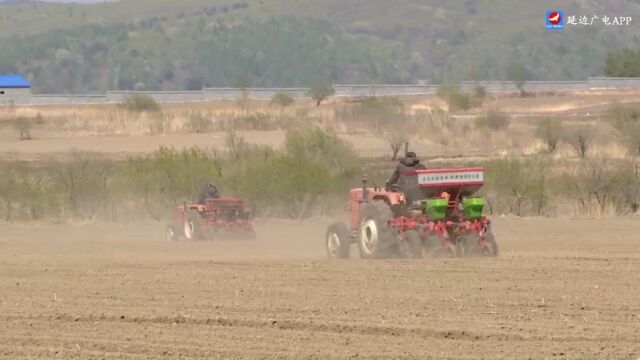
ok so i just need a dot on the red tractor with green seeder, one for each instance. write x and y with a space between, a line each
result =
431 213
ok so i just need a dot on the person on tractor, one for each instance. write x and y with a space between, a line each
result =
410 162
208 192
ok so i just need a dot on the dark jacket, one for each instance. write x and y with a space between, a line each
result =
401 168
207 193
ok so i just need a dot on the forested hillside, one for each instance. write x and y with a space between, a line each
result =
162 44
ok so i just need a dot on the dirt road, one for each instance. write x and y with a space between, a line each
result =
560 289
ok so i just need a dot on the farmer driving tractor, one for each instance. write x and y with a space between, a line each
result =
208 192
410 162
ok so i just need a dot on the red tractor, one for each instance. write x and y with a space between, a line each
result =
217 218
430 213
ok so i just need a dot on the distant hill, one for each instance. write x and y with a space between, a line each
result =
163 44
18 2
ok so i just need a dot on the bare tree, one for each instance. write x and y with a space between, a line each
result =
243 85
383 116
395 136
595 179
235 144
84 181
550 132
580 138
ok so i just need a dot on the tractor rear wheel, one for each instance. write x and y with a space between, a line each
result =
375 238
416 246
338 241
193 229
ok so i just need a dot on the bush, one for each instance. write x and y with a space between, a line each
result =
282 186
604 184
456 100
140 103
550 132
199 124
82 181
492 121
320 147
626 120
35 194
23 126
240 151
518 187
282 100
479 92
300 181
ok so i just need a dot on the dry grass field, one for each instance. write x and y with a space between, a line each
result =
115 132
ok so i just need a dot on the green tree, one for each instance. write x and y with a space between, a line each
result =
517 73
320 92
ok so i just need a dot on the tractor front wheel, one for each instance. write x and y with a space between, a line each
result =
193 229
375 238
338 241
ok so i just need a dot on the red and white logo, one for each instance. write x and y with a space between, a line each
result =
554 18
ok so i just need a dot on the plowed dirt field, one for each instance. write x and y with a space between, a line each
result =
561 288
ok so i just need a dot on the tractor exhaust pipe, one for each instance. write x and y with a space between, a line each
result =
364 190
406 149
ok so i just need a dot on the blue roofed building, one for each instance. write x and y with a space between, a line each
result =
14 89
